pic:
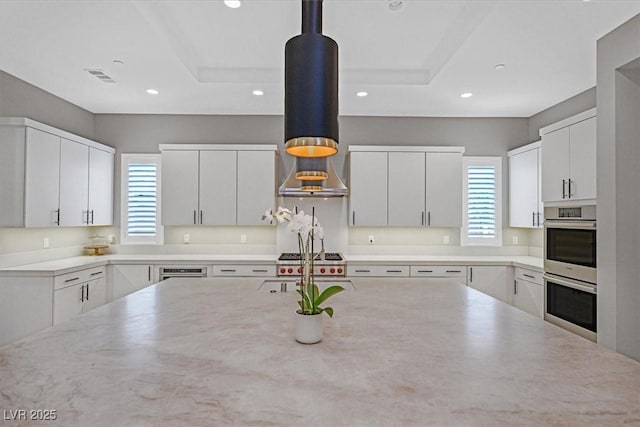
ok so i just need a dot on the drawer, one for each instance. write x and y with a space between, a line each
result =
80 276
438 271
244 270
529 275
378 270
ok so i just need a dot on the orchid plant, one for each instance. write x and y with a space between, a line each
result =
308 228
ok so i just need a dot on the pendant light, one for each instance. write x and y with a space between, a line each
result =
311 88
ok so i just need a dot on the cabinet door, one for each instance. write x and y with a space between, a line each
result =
42 192
368 189
100 187
444 189
256 186
128 278
529 297
180 187
555 165
67 303
74 183
95 294
489 280
218 189
583 159
523 189
406 189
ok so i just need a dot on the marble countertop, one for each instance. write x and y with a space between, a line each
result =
220 352
67 265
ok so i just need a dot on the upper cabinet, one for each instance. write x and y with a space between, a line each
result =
525 198
217 184
569 159
405 186
51 178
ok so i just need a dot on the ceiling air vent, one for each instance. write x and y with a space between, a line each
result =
100 75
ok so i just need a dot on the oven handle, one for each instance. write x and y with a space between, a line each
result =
577 225
592 289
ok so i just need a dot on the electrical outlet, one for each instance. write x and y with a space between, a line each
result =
371 240
45 242
111 239
514 239
186 238
445 240
243 238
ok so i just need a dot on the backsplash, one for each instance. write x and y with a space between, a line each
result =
26 245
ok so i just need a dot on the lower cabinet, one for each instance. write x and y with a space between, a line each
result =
245 270
491 280
128 278
26 305
528 291
378 270
78 292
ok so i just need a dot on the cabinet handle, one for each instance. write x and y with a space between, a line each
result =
194 217
85 220
96 273
429 218
394 271
201 216
533 219
82 293
363 271
259 271
570 195
425 271
353 218
515 287
91 216
470 274
564 183
538 215
528 275
149 273
228 270
57 221
422 221
454 271
87 287
71 280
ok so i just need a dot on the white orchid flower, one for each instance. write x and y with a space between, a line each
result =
282 215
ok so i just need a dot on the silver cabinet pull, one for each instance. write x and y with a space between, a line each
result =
564 183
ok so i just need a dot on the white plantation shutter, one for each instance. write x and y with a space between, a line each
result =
140 190
482 201
142 199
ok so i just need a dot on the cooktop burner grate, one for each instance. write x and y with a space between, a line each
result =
295 256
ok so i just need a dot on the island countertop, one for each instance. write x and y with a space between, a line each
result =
397 353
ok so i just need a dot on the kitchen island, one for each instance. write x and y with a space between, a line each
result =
217 352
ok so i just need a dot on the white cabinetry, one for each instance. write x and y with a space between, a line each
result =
375 270
245 270
528 291
78 292
48 177
368 188
217 184
569 159
491 280
525 199
128 278
405 186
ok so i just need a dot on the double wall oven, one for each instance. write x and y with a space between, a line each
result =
570 268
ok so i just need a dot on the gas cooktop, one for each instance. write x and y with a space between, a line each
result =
295 256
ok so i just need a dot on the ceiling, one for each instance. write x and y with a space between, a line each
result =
206 58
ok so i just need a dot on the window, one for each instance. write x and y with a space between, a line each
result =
140 199
482 201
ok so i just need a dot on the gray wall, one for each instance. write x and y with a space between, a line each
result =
21 99
567 108
618 196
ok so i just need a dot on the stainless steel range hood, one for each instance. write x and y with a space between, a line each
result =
331 187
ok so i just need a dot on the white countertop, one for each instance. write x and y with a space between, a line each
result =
220 352
66 265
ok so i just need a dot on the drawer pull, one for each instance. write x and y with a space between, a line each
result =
425 271
529 276
363 271
228 270
71 280
259 271
394 271
96 273
454 271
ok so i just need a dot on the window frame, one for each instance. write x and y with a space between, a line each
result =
125 239
465 240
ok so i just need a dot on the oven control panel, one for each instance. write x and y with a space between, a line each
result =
296 270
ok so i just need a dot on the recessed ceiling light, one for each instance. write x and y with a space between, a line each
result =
466 95
233 4
500 67
362 94
152 91
258 92
395 4
118 62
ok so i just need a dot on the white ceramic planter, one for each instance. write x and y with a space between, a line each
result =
308 328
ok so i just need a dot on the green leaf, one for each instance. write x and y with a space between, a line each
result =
328 293
329 311
307 301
